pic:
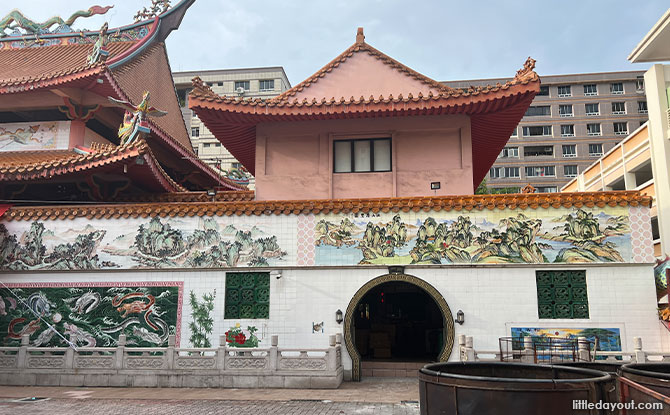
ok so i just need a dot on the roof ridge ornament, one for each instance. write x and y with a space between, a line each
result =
360 36
526 73
135 120
100 52
16 20
157 7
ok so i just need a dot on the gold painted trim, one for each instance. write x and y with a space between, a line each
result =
448 318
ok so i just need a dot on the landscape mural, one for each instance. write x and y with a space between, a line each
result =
89 316
609 339
564 235
577 235
138 243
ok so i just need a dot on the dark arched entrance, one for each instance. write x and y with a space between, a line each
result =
397 317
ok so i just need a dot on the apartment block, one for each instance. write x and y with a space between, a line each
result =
574 120
264 83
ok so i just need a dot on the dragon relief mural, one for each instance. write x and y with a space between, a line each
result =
155 243
89 316
576 236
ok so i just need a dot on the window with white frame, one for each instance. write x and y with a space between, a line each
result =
618 108
515 132
266 85
592 109
567 130
569 150
362 156
539 110
564 91
503 172
242 84
546 189
639 84
535 131
509 152
642 107
616 88
595 150
496 172
593 129
512 172
195 132
565 110
544 91
590 90
620 128
540 171
570 171
538 151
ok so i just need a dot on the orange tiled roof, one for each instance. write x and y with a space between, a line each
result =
17 166
287 207
223 196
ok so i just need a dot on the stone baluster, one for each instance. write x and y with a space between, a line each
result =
273 353
640 356
221 353
23 351
332 353
69 358
461 347
470 349
528 355
119 355
170 351
583 352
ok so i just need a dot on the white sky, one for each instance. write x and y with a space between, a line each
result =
445 40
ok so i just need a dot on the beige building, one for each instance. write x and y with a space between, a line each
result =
573 120
249 83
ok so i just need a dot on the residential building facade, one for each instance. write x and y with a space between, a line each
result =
263 83
573 121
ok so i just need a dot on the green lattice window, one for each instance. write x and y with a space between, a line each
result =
562 294
247 295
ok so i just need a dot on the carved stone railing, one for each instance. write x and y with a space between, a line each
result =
173 367
467 352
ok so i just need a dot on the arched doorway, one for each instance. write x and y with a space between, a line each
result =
397 317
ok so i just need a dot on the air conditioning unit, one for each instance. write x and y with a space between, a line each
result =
240 91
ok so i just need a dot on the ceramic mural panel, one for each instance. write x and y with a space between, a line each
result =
565 235
90 314
191 242
609 339
34 136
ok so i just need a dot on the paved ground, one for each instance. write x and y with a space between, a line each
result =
384 397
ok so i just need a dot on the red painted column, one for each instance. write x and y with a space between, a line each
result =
77 132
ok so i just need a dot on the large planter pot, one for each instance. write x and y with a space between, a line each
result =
654 376
483 388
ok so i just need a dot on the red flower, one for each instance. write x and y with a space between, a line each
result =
240 338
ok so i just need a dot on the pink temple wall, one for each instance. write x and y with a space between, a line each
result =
294 160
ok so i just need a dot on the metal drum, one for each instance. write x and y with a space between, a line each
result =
650 383
491 388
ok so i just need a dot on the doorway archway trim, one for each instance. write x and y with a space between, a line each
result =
448 323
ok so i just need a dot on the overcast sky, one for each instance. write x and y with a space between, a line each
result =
445 40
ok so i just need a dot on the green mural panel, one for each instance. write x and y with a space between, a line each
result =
89 316
247 295
562 294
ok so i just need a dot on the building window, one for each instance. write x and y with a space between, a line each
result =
567 130
642 107
242 84
592 129
620 128
236 165
590 90
570 171
541 171
569 150
247 295
564 91
546 189
509 152
362 156
542 130
562 294
595 150
515 133
592 109
616 88
565 111
618 108
504 172
541 110
544 91
195 132
206 145
217 144
535 151
639 84
267 85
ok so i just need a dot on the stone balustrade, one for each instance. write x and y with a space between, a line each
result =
468 353
173 367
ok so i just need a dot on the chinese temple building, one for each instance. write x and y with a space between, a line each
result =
363 222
